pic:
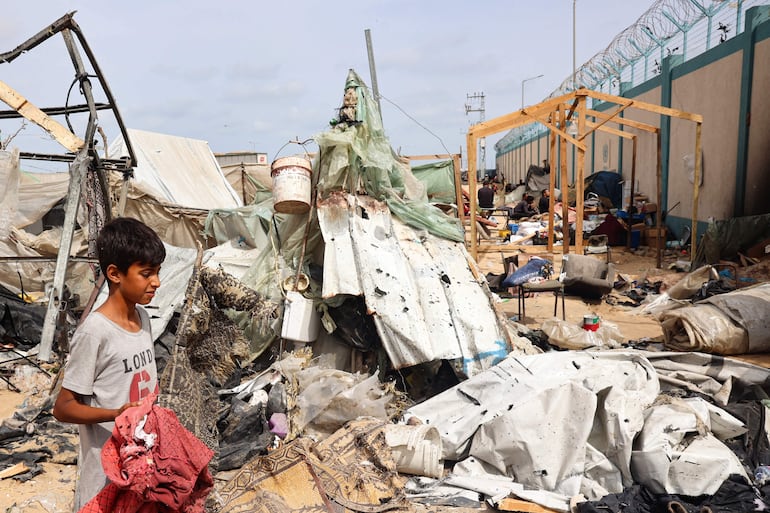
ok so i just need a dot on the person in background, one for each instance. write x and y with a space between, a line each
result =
111 364
545 201
486 195
524 208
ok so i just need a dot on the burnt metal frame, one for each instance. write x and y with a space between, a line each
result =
86 158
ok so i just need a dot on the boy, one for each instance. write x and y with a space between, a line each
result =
111 364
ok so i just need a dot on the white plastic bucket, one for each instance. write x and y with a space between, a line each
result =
291 185
300 320
416 449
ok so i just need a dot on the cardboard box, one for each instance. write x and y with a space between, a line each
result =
651 236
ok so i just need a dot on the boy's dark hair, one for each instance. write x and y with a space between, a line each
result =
125 241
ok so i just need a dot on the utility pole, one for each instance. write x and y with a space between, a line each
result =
476 104
373 70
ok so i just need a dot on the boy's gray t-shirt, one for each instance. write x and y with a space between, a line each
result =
109 366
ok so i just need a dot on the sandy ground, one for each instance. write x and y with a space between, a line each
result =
53 490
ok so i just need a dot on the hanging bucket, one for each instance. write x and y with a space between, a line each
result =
291 184
300 320
416 449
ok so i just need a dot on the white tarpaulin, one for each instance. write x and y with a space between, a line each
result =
562 421
177 170
426 302
731 323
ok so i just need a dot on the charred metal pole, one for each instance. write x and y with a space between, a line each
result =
78 171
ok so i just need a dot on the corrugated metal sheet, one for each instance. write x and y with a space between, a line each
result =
177 170
426 302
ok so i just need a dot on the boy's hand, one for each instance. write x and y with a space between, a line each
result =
127 406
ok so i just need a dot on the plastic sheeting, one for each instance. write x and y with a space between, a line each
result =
732 323
439 180
562 421
177 170
679 450
356 154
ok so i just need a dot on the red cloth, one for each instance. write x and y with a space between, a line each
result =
154 465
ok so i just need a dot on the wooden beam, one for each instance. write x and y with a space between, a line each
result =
456 164
659 194
610 130
471 141
509 121
695 192
580 180
666 111
552 188
564 186
611 116
552 126
443 156
21 105
623 121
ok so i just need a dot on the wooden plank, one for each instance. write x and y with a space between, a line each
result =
564 185
471 141
514 119
659 194
610 130
21 105
518 505
610 118
580 179
456 164
442 156
562 133
623 121
552 187
695 192
666 111
14 470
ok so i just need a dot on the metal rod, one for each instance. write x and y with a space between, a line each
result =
372 70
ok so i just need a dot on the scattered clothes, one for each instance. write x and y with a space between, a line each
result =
154 464
536 267
735 495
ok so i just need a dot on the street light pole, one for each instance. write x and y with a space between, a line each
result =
574 67
522 87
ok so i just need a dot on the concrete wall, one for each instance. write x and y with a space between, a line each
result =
735 131
758 162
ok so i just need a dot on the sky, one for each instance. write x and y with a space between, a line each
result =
252 76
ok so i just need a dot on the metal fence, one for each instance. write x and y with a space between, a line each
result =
683 27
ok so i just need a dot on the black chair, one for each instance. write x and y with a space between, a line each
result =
555 286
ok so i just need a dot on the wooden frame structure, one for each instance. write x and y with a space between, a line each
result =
556 114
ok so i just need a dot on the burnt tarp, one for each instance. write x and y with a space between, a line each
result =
593 423
732 323
725 238
538 178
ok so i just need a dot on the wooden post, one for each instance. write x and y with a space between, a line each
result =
659 176
471 141
696 191
564 185
633 191
580 180
552 185
459 188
